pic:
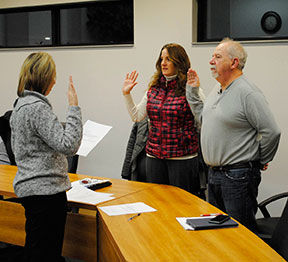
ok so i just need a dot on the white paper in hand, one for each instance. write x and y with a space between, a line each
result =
93 133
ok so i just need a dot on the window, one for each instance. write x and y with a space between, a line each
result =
91 23
26 29
242 20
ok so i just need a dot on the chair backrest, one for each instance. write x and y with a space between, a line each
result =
5 133
72 163
279 239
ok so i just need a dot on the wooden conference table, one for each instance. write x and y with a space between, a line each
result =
92 235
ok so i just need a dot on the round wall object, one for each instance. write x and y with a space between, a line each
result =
271 22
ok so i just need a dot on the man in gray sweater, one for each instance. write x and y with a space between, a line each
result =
239 135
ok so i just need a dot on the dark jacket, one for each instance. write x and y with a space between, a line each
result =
135 152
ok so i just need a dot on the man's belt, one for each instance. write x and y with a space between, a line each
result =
255 164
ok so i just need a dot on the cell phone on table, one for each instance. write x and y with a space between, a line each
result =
219 219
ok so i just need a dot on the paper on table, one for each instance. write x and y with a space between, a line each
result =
93 133
138 207
84 195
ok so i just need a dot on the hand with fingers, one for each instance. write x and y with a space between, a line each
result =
192 78
72 95
130 82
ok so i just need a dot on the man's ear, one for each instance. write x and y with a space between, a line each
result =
235 63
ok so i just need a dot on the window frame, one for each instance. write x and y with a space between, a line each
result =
246 40
55 24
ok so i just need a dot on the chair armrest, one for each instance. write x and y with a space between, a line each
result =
264 203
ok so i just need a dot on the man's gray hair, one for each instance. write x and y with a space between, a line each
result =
235 49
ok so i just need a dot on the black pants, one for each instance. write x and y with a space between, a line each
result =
45 225
141 166
180 173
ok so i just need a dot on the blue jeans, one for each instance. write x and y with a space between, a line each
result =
235 192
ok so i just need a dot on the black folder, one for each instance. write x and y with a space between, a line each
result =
203 223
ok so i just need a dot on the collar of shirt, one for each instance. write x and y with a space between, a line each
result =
169 78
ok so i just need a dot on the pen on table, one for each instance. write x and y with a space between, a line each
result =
213 214
130 218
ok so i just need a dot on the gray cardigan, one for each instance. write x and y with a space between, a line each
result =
40 144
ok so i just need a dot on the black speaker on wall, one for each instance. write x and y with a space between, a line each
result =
242 20
271 22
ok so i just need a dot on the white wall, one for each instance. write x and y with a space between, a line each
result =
99 72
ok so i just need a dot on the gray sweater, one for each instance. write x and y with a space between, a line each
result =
40 144
237 125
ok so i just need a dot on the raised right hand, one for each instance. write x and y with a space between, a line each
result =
72 95
192 78
130 82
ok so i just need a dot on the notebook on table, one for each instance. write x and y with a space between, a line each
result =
203 223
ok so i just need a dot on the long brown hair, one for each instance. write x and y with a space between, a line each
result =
37 72
180 59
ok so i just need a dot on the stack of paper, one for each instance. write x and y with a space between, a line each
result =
84 195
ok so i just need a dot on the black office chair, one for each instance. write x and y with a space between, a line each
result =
279 240
267 224
72 163
5 133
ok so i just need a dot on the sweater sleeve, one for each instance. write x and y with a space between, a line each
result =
195 98
64 140
136 112
261 118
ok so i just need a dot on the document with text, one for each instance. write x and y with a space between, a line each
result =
84 195
132 208
93 133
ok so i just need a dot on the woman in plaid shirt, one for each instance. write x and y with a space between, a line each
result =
172 145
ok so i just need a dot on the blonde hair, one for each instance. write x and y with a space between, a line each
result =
37 73
180 59
235 49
